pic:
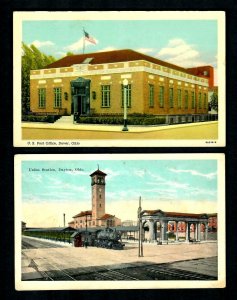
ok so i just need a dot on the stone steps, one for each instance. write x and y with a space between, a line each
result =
65 120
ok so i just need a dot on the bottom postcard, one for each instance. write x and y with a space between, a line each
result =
130 221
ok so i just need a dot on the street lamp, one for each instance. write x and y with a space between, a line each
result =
125 86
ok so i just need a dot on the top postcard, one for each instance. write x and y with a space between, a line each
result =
119 79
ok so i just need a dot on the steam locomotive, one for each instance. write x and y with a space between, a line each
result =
108 238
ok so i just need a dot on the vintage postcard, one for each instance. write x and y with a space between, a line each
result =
130 221
86 79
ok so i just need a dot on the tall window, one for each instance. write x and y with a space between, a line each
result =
128 94
57 97
193 100
199 100
42 97
186 99
205 101
179 98
105 91
161 96
151 95
171 97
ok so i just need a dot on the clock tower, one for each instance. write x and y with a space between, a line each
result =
98 195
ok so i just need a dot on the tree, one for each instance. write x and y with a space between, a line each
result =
69 53
214 101
32 59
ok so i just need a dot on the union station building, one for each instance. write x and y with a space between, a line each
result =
92 84
96 217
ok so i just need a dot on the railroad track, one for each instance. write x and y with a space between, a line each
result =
163 273
54 274
112 275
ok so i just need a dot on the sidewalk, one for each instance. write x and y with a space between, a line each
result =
111 128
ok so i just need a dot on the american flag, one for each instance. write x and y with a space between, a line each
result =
89 38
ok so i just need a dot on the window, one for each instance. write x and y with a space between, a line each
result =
193 100
186 99
205 101
57 97
171 97
105 90
179 98
200 100
151 95
128 94
161 96
42 98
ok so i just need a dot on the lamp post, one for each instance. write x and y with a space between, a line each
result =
125 86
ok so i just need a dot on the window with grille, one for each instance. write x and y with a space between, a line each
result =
193 100
186 99
57 97
179 98
171 97
205 101
161 96
42 97
151 95
200 100
105 95
128 95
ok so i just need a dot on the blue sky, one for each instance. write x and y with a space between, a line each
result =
172 185
186 43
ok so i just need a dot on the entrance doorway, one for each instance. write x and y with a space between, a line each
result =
80 89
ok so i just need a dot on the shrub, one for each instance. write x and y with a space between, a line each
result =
171 235
133 119
35 118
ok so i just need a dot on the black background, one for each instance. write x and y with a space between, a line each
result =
7 151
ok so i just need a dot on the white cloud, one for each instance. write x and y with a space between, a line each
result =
145 50
40 44
179 52
75 47
127 210
60 54
109 48
139 173
209 176
50 214
77 172
33 178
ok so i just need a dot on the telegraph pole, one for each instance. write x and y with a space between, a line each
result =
140 245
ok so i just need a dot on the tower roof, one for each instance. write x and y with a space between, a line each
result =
98 172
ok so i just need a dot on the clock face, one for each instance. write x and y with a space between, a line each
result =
100 190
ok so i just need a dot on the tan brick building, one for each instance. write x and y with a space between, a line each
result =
96 216
92 83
